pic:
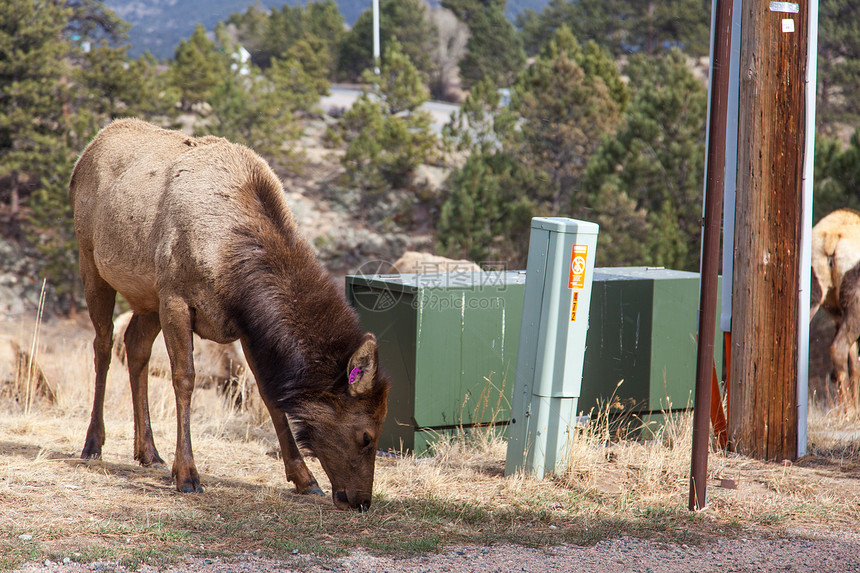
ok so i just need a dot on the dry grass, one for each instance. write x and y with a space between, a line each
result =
56 505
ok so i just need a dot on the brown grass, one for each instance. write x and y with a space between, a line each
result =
56 505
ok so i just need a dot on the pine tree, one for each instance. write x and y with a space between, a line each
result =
494 50
487 212
481 125
838 83
655 160
623 26
837 175
318 23
258 111
398 84
403 20
485 217
387 135
33 68
565 114
51 229
198 67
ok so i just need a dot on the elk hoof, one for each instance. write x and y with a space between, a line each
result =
312 489
92 449
88 455
150 461
190 488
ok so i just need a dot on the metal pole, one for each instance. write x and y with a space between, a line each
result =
376 36
806 232
714 179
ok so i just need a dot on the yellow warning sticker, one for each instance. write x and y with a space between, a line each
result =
575 298
578 257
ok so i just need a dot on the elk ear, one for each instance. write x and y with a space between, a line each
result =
362 366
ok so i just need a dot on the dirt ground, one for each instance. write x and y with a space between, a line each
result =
797 554
782 517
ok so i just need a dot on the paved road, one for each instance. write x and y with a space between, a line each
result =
344 96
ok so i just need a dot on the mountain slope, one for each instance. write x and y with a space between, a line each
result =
159 25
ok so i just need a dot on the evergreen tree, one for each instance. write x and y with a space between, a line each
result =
485 215
302 76
494 50
481 125
653 166
398 85
52 230
566 108
319 24
32 94
837 175
198 67
387 135
403 20
106 83
624 26
838 82
258 111
249 29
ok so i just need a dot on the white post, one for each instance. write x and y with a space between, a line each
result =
806 232
552 344
376 36
731 178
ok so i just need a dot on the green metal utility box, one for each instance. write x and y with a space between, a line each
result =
642 330
441 335
449 343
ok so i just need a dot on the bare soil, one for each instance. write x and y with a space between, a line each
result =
624 509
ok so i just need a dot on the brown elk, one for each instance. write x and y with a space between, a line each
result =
196 235
836 289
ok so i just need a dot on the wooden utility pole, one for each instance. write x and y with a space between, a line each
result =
766 278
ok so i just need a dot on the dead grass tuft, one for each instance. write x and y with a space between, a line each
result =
57 505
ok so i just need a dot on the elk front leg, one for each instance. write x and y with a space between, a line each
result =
139 336
176 324
294 464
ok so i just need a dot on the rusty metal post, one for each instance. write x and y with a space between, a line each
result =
714 179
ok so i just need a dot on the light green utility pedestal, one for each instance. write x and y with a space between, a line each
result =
552 344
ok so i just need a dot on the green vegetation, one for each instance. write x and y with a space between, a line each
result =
402 20
837 175
644 185
494 51
624 26
386 133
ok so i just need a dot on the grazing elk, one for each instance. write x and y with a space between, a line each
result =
836 289
196 235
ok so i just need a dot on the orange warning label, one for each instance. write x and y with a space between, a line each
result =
578 257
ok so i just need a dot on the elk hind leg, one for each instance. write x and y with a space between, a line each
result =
100 297
844 344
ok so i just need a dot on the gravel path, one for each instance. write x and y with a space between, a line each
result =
797 554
